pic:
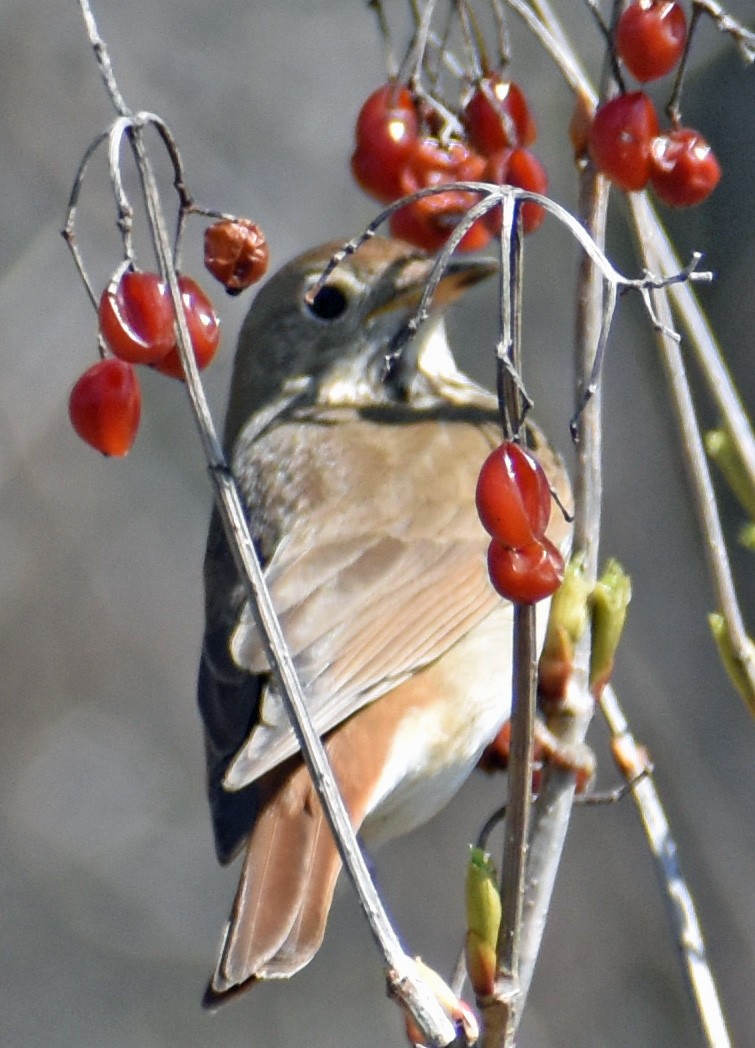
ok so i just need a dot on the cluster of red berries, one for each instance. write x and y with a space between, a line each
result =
625 140
137 325
513 500
399 151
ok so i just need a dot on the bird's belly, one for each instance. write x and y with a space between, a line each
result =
448 713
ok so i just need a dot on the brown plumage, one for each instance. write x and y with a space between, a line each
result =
361 500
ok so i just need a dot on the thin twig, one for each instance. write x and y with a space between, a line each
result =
743 37
680 904
701 338
699 474
546 29
505 343
607 32
401 969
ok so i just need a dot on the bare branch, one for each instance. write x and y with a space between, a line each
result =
679 901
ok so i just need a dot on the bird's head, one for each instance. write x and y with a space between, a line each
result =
334 343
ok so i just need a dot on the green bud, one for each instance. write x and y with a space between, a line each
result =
566 623
569 602
483 904
723 451
747 536
609 600
735 663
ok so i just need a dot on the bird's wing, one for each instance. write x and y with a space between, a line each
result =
378 572
376 609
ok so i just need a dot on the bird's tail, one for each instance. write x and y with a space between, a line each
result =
290 870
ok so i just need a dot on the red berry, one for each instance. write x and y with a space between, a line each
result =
527 575
136 318
517 167
386 130
428 163
477 237
236 253
497 116
389 111
620 138
105 406
650 37
420 227
377 173
204 330
428 222
513 496
683 170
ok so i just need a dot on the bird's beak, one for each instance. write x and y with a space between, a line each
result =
394 352
412 356
405 282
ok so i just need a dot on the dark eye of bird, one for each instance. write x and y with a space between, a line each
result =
329 303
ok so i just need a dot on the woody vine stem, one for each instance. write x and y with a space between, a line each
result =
403 981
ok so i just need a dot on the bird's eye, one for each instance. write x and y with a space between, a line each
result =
329 303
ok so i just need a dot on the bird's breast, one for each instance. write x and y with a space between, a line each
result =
441 720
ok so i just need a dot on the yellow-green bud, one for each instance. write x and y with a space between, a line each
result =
747 536
483 920
609 600
722 450
733 661
566 623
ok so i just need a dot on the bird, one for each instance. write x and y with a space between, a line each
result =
358 480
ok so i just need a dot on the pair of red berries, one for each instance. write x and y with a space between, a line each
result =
514 502
396 155
626 144
137 324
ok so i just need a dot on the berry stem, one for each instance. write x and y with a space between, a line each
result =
389 56
504 38
474 42
68 231
608 33
673 108
503 1013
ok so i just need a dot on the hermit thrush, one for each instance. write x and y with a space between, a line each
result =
359 482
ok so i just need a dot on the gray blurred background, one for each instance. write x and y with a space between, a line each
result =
112 901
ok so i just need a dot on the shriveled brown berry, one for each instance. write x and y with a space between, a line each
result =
236 253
